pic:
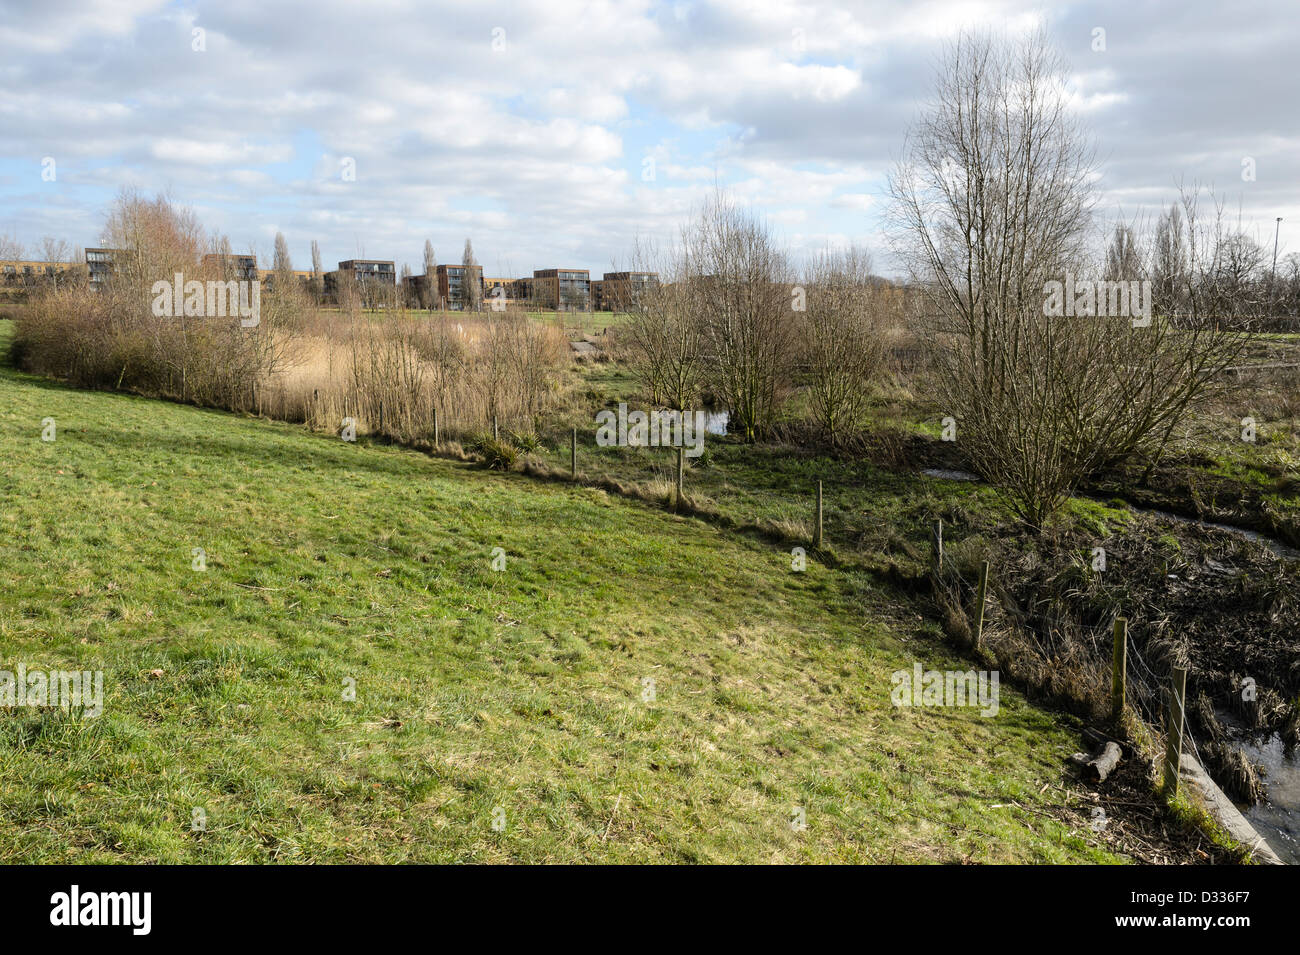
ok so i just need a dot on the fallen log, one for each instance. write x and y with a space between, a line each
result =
1103 764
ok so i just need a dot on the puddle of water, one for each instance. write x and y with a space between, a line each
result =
950 475
1276 546
1277 817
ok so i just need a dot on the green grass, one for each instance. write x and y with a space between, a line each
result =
476 689
879 516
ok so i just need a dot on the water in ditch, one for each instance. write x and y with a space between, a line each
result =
1277 816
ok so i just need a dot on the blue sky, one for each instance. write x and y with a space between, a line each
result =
528 127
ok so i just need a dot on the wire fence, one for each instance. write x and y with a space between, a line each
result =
1051 653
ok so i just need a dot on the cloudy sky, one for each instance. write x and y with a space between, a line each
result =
555 133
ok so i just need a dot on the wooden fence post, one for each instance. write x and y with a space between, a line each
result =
1119 670
681 470
435 427
936 551
817 535
1174 730
573 454
980 596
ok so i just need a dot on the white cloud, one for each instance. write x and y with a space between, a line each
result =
537 150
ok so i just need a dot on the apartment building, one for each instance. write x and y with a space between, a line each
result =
268 277
523 293
18 272
617 291
451 284
510 292
382 271
565 290
560 289
238 267
371 276
99 263
415 288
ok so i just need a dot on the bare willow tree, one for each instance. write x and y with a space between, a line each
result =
990 202
740 292
153 238
663 330
843 349
992 207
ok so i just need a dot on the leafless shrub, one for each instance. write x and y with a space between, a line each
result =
842 345
739 287
992 203
664 333
113 339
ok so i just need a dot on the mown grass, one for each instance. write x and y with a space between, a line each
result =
523 689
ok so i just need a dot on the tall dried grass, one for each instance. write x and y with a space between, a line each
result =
390 374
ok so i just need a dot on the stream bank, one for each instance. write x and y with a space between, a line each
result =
1216 598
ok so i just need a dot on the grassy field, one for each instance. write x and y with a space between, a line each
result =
523 690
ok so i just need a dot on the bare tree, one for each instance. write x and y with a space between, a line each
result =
55 253
992 205
317 273
1203 239
1123 259
842 347
1241 288
404 295
471 293
739 292
285 282
11 250
154 239
430 276
1288 282
664 331
281 262
1169 263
